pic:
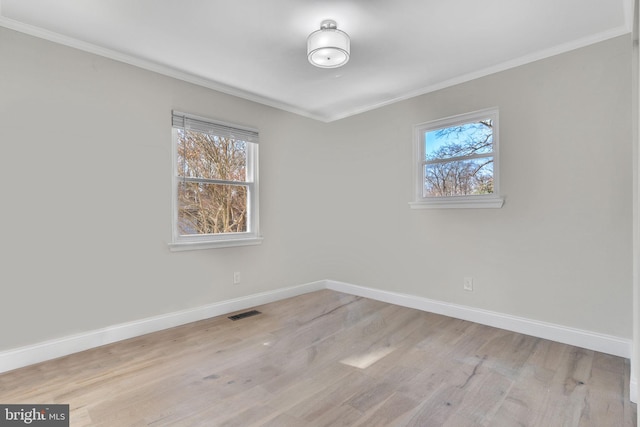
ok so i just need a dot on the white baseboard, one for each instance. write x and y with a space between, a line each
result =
590 340
28 355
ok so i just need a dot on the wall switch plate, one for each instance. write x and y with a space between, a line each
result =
236 277
468 284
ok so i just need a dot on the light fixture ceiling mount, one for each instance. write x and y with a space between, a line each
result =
328 47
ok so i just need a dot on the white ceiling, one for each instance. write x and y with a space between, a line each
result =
256 49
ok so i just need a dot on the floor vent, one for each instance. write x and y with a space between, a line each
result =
243 315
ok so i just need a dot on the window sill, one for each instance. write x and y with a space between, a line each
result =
214 244
459 202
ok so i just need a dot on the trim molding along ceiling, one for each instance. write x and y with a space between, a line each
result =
145 65
31 354
210 84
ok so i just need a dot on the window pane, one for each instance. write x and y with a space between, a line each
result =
211 157
211 208
459 177
461 140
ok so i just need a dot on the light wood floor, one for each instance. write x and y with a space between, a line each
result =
331 359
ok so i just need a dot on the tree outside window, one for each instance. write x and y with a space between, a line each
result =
215 188
457 162
212 193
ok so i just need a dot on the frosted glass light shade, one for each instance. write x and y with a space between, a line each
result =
328 47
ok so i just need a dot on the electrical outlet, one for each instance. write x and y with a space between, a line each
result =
236 277
468 284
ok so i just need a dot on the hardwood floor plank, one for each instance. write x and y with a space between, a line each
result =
330 397
390 412
331 359
281 420
340 415
311 382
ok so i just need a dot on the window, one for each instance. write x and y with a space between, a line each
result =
215 184
456 162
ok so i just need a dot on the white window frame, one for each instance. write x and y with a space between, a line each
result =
208 241
493 200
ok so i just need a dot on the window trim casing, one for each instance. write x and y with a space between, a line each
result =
494 200
210 241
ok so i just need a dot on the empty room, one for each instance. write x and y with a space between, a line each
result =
286 213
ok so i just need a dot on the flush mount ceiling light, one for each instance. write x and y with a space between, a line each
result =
328 47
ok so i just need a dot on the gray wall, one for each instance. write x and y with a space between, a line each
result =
86 144
87 187
560 248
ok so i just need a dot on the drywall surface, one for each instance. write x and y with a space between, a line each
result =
559 250
87 202
86 219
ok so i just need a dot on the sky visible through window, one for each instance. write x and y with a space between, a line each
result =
466 135
459 159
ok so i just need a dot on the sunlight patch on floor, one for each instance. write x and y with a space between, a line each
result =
363 361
